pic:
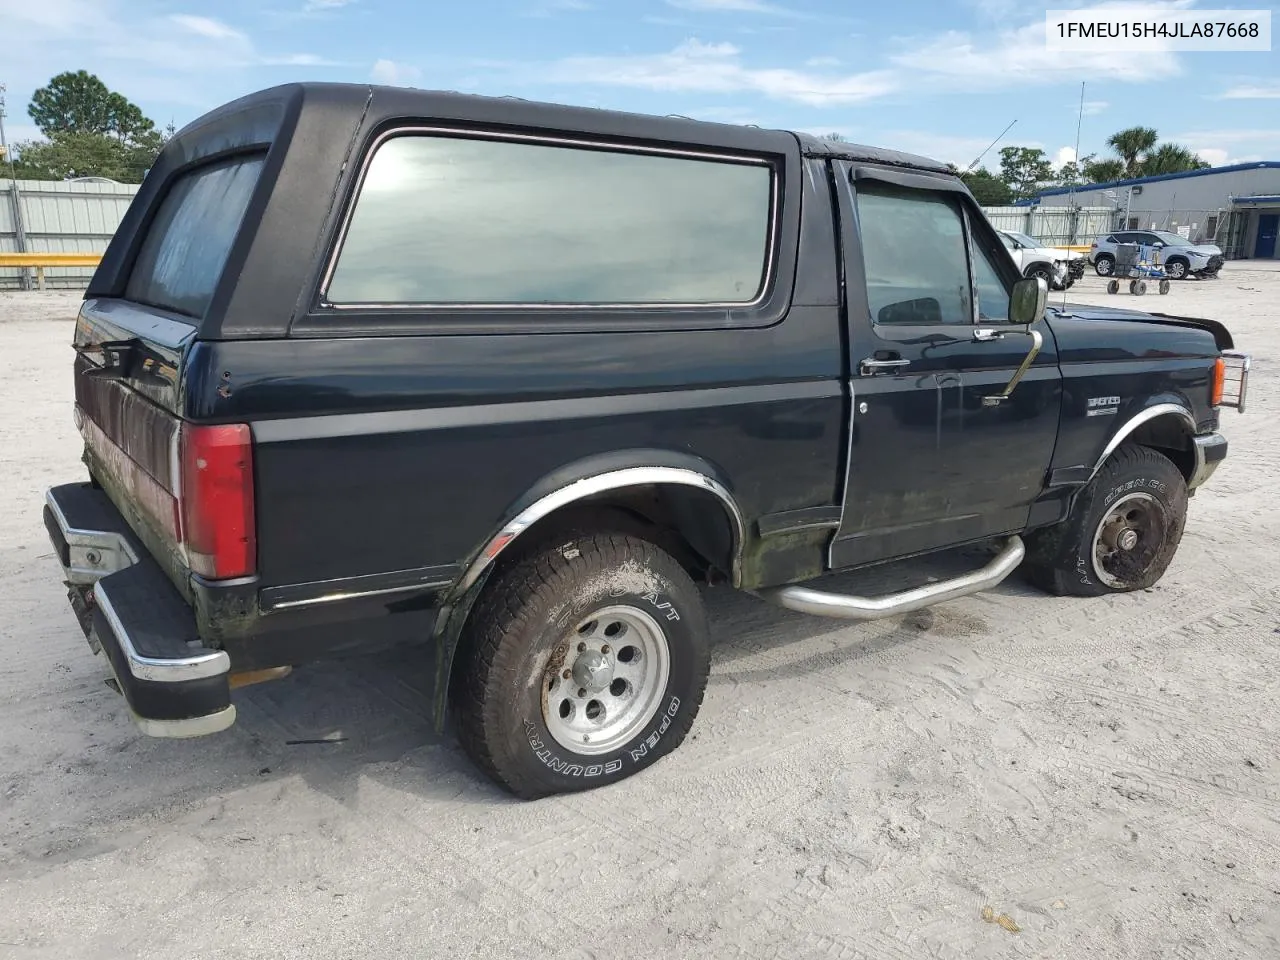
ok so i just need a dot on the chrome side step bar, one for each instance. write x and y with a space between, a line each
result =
845 607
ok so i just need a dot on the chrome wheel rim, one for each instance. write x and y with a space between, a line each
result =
1177 270
1129 537
1103 267
606 680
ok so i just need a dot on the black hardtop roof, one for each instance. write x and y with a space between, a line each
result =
386 101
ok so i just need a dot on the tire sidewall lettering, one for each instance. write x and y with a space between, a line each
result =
1140 483
545 751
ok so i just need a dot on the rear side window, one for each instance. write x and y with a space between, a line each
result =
451 220
187 245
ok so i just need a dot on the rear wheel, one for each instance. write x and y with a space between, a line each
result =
1122 533
583 663
1164 287
1113 286
1104 265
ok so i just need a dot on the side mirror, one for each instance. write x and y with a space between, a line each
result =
1028 301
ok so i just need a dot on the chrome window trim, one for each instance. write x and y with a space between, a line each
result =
602 483
552 140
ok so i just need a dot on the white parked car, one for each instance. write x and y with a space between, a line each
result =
1181 258
1059 268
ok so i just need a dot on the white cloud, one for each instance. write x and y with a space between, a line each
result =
1064 155
62 16
394 74
549 8
1256 135
733 6
1093 107
1218 157
301 60
1018 56
1222 147
1253 91
313 6
718 68
209 28
822 62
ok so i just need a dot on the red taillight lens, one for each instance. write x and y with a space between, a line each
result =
217 500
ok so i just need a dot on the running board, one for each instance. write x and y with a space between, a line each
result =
846 607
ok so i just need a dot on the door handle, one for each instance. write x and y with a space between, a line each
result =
871 365
983 335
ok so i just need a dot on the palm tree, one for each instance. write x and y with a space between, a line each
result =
1103 171
1171 158
1132 145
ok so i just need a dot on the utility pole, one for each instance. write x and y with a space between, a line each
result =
20 235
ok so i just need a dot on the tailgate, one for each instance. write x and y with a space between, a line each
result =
128 373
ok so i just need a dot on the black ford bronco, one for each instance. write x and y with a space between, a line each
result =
369 366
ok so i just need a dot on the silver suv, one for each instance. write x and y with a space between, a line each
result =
1180 257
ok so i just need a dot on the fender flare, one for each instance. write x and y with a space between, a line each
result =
1153 412
553 492
548 496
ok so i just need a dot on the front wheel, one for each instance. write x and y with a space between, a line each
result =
1104 266
1122 533
1177 269
583 664
1044 272
1113 286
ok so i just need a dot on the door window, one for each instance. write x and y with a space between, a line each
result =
913 251
992 291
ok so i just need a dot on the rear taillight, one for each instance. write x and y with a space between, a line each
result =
217 500
1219 378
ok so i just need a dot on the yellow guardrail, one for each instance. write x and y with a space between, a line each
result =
42 260
1075 248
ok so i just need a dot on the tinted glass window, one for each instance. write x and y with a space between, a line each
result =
914 254
442 220
993 293
187 245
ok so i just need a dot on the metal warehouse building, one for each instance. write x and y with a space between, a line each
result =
1237 207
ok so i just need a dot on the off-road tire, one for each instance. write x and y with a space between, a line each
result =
1104 265
527 619
1060 559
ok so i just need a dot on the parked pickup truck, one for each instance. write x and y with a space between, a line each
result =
509 381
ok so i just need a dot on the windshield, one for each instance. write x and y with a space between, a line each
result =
1023 239
1171 238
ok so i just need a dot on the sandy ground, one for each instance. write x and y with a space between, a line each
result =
1103 775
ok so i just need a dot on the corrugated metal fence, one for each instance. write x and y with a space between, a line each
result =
80 217
1055 225
47 216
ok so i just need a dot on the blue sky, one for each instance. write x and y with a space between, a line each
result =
937 78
